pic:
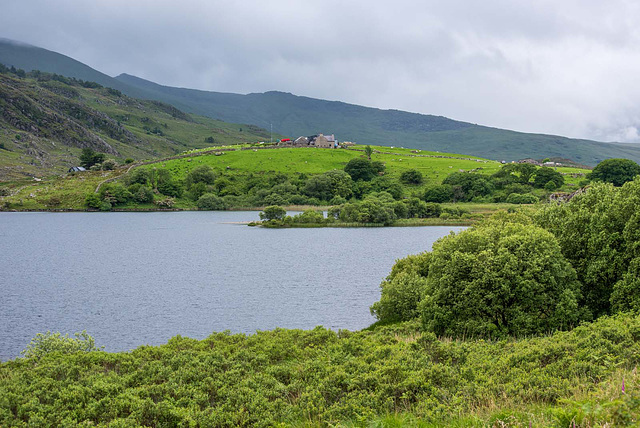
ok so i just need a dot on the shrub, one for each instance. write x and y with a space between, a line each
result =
4 191
200 174
165 203
138 175
43 344
599 232
109 165
93 200
411 176
273 212
502 278
442 193
615 171
143 195
210 201
526 198
127 161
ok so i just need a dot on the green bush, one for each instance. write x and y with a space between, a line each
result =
499 279
143 195
526 198
402 290
93 200
273 212
210 201
411 176
43 344
598 232
615 171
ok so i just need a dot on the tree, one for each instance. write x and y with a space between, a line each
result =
368 151
90 157
503 278
210 201
273 212
412 176
441 193
468 185
360 169
545 175
615 171
200 174
599 232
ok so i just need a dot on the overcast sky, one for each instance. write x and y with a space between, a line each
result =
569 67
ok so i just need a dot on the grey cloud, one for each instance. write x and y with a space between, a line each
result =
567 68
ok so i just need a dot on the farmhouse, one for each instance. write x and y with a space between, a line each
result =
319 140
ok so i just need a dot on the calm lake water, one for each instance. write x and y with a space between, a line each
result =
131 279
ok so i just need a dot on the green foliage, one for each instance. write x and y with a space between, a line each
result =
411 176
143 195
362 169
325 378
402 290
93 200
499 279
544 176
368 151
47 343
109 165
441 193
526 198
615 171
599 232
467 186
273 212
90 157
201 174
138 175
211 201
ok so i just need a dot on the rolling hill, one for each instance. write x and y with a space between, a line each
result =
46 121
296 115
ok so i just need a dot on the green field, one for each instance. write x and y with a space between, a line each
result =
68 191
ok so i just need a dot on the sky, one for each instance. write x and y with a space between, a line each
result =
569 67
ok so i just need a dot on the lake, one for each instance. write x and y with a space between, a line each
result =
132 279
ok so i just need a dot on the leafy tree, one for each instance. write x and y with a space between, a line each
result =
210 201
138 175
615 171
441 193
273 212
200 174
599 232
468 185
411 176
360 169
502 278
368 151
143 195
93 200
545 175
319 186
90 157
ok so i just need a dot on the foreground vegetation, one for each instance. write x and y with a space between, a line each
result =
319 377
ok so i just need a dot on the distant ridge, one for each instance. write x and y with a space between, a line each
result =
297 115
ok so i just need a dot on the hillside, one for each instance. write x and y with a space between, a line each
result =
46 121
293 115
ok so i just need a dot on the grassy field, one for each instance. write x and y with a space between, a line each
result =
68 191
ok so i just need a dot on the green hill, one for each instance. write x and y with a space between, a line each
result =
46 121
295 115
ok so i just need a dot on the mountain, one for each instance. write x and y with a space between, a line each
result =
293 115
45 121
